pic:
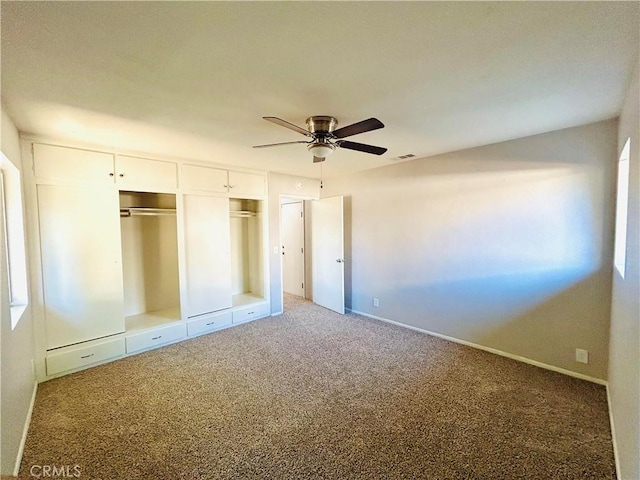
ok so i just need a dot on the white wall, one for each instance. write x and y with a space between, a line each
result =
508 246
17 377
292 187
624 360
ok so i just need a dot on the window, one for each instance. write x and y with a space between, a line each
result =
620 246
13 228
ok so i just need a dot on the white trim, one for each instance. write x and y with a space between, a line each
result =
275 314
25 430
613 433
529 361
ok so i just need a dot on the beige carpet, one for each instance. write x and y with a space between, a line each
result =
315 395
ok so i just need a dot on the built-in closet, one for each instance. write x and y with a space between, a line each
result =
134 253
224 248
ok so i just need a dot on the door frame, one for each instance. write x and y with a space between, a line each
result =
284 198
304 240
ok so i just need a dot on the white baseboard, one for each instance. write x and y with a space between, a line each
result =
25 430
275 314
613 434
489 349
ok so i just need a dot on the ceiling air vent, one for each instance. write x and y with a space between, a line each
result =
403 157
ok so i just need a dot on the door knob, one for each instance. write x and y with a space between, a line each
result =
339 260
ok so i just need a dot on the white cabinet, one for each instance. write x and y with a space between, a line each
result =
134 173
55 163
204 179
207 179
242 183
207 253
81 263
64 164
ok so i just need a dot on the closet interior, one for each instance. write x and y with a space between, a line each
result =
149 259
247 275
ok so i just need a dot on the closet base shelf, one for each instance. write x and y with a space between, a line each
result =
242 299
146 320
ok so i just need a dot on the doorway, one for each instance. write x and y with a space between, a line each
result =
293 247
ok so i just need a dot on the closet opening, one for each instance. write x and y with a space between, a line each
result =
247 271
149 259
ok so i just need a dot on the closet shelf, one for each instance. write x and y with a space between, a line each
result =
145 211
242 213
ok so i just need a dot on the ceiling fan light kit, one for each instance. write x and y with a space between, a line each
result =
325 138
321 149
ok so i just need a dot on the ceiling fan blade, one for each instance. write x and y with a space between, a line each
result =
360 127
278 144
361 147
290 126
318 159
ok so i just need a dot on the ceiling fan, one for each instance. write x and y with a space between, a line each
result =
325 138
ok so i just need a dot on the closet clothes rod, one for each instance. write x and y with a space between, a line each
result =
145 211
242 213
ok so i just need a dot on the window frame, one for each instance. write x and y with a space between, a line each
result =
13 232
622 209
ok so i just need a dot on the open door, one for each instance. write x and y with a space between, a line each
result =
327 234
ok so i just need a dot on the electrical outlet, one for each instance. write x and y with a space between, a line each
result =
376 302
582 356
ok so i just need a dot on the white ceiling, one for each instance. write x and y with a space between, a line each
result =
193 79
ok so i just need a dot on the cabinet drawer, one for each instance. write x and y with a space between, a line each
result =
251 312
208 323
82 356
204 179
155 337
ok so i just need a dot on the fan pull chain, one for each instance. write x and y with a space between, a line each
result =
321 174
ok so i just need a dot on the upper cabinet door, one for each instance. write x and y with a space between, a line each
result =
70 164
81 263
204 179
241 183
134 173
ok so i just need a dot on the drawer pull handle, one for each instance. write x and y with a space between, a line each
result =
210 323
250 313
88 356
156 338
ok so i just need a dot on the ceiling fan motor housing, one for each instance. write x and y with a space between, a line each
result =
321 124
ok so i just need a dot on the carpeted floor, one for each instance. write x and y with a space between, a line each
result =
315 395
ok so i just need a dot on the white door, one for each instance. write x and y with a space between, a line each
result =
208 253
293 248
81 263
327 236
